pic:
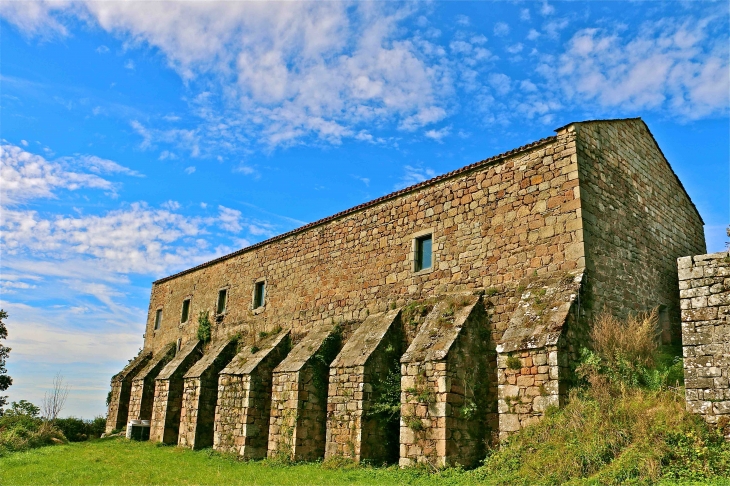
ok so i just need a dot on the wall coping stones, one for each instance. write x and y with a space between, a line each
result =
134 366
303 352
214 351
434 338
245 362
365 339
165 353
541 312
169 370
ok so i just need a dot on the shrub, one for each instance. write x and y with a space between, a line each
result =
204 326
77 430
21 429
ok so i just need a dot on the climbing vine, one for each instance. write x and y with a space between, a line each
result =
204 326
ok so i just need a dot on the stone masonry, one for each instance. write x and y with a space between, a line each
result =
142 394
443 395
167 406
537 240
704 282
299 397
244 398
355 376
121 392
200 395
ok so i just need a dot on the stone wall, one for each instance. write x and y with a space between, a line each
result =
200 395
167 405
704 283
637 220
298 421
118 411
244 398
445 387
142 393
365 371
493 224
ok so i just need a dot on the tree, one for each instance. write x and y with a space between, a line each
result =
5 380
54 401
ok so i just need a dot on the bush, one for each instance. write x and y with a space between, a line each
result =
21 429
77 430
623 424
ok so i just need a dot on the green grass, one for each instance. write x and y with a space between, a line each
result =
118 461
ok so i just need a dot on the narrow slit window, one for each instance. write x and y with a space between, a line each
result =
423 252
222 298
158 319
259 293
185 311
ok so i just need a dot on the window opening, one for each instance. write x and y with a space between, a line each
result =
185 311
222 297
423 252
158 319
259 294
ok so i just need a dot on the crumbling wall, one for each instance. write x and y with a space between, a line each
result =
704 282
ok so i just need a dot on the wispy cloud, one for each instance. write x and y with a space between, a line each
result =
413 175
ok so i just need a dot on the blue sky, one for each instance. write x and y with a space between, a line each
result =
139 139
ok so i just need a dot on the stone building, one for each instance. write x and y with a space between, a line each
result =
428 323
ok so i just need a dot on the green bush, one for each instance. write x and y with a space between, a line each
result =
77 430
21 429
204 326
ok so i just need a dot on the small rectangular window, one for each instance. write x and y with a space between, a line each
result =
185 311
158 319
423 253
259 294
222 297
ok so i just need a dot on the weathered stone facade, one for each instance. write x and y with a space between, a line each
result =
200 395
244 398
118 414
142 394
538 238
167 405
704 282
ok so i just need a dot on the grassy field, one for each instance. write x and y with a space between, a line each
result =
118 461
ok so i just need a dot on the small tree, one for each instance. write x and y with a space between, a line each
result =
5 380
54 401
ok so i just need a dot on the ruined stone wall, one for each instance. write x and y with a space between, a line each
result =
637 220
492 225
704 283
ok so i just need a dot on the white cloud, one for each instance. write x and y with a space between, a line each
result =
190 170
462 20
501 29
515 48
525 14
547 9
171 205
27 176
533 34
244 169
129 65
501 83
102 49
230 219
99 165
668 65
413 175
24 143
34 18
438 135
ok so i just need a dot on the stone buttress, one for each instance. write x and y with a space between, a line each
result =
535 353
165 423
121 389
244 398
142 394
200 395
444 386
299 397
355 383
